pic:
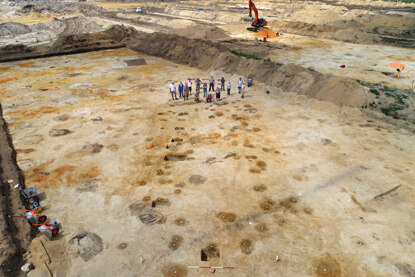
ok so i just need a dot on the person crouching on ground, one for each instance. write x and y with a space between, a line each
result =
180 88
204 90
186 92
229 88
197 96
243 89
173 91
209 98
217 93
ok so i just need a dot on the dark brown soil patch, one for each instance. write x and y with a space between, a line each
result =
135 62
289 202
267 205
174 271
59 132
175 242
246 246
122 245
180 221
93 148
328 267
261 227
175 157
226 217
211 250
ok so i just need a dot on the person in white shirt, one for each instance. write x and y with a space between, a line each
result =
173 91
189 84
239 85
243 89
211 84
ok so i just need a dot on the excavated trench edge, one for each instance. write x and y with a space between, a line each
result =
61 53
12 201
205 55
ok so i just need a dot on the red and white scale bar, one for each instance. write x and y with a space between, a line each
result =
214 267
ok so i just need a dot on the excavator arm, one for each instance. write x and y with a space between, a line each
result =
253 7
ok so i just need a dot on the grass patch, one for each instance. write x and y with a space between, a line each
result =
249 56
392 109
398 97
385 88
403 1
363 83
374 91
109 29
311 69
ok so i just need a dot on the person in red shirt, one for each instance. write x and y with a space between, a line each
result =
217 93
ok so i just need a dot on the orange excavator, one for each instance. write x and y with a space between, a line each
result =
257 23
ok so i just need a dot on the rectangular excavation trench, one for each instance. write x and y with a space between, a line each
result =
251 184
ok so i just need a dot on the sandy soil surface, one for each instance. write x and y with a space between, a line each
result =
275 184
363 62
245 180
368 19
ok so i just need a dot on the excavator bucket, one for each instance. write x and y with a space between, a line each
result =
248 18
253 29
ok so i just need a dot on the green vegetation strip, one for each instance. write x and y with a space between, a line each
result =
403 1
374 91
249 56
399 95
392 109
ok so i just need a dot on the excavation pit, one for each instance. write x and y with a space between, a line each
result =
175 157
131 198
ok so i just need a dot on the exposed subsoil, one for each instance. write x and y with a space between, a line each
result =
142 184
115 37
195 38
214 56
205 54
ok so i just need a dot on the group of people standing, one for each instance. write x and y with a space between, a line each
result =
186 89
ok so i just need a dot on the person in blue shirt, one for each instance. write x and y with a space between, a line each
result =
180 88
205 90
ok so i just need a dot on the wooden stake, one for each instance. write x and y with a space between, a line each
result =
48 269
50 260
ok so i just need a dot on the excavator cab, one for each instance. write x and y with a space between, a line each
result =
257 23
255 27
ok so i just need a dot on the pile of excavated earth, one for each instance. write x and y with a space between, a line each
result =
311 174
